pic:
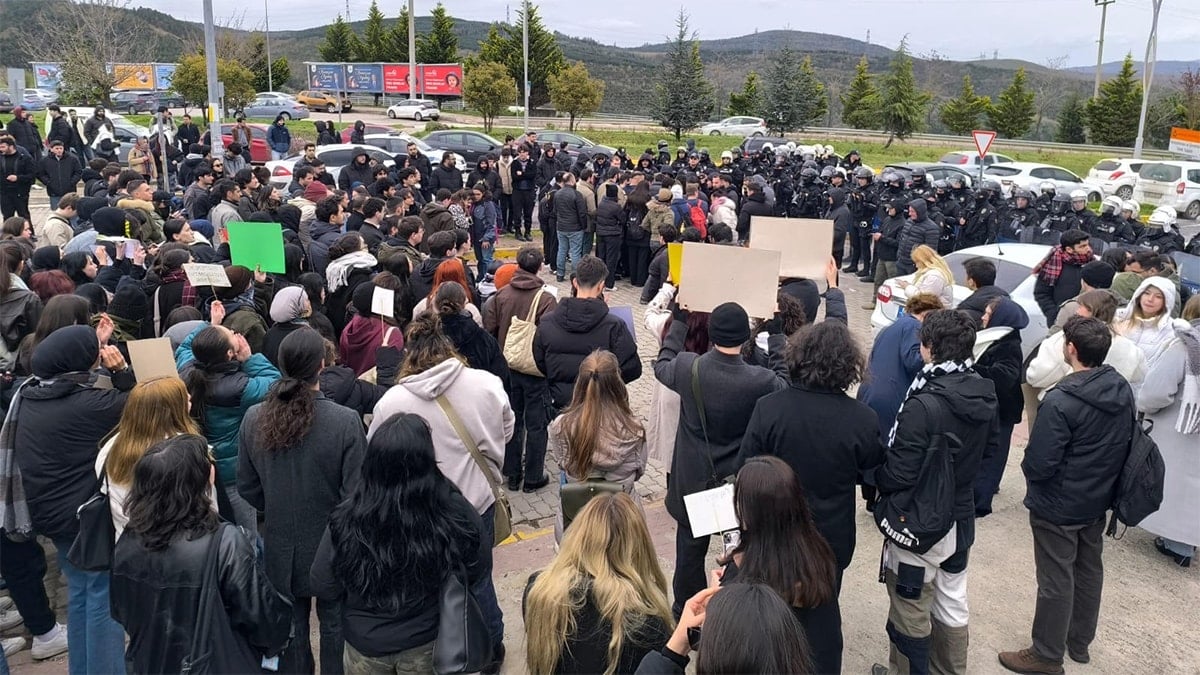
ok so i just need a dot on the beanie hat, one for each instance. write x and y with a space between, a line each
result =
504 275
728 325
203 226
239 280
805 291
109 221
129 302
86 207
315 191
45 258
1098 274
610 191
363 293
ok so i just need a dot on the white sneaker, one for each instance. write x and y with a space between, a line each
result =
10 619
45 649
12 645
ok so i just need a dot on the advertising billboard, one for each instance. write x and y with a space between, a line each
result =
442 79
364 77
163 73
46 75
133 76
326 76
395 78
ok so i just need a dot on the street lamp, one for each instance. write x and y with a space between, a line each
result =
214 87
1147 79
267 19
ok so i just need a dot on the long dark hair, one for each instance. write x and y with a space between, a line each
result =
398 532
210 348
287 413
748 628
170 492
10 262
780 544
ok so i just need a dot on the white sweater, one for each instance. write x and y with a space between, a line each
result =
1049 367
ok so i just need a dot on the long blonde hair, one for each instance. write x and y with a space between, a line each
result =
925 258
157 409
599 409
607 552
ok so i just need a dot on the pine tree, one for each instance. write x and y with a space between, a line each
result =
1071 121
545 56
1013 113
1112 119
374 45
575 92
749 101
860 103
814 103
685 97
340 43
781 107
396 49
961 115
440 45
902 104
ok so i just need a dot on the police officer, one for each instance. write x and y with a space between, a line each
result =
1020 217
807 202
1085 219
1158 235
1049 232
1111 226
664 154
979 222
918 181
1047 190
864 207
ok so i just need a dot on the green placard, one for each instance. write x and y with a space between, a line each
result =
257 246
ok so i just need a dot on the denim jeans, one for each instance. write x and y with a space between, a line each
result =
484 590
278 155
54 202
483 258
570 244
97 642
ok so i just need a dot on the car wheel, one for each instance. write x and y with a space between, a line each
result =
1125 192
391 114
132 110
1095 196
417 117
1193 211
287 117
329 108
714 132
757 134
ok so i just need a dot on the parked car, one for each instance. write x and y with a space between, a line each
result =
575 143
1014 273
1030 176
260 151
134 102
6 102
326 101
345 133
334 156
933 171
1116 176
396 143
753 144
736 126
472 145
33 103
415 109
971 157
270 107
46 96
1170 183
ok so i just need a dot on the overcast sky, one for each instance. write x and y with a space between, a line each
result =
1033 30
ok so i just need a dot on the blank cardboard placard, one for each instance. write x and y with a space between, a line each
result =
674 261
257 246
383 302
625 313
713 274
152 359
201 274
805 243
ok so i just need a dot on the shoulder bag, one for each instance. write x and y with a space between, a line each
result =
503 517
714 481
92 549
205 655
463 644
518 342
574 496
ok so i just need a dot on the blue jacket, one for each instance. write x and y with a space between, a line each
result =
231 391
895 360
279 138
682 210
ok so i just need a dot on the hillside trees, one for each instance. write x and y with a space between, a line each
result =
440 45
191 81
860 102
902 104
961 114
503 45
748 101
1013 113
685 96
1112 118
340 43
1071 121
795 97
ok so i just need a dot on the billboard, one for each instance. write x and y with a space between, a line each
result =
442 79
133 75
1185 142
326 76
47 75
364 77
395 78
163 73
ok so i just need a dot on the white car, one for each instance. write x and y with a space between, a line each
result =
414 109
335 157
1116 176
397 144
1175 184
736 126
1014 273
971 158
1030 175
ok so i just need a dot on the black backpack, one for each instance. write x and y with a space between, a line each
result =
1140 487
919 517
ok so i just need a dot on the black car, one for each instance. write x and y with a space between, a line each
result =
575 143
6 102
933 171
472 145
753 144
134 102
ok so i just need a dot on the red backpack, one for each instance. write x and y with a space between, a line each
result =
699 218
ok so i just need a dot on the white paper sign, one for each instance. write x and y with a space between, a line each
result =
711 511
200 274
552 290
383 302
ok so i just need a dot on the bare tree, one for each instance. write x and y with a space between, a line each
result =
1189 95
1047 90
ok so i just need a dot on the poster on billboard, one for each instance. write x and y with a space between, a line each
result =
163 74
395 78
442 79
326 76
47 75
133 76
364 77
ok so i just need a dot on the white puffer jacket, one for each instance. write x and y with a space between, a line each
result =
1153 336
1049 367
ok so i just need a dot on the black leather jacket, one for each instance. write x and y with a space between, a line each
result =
156 595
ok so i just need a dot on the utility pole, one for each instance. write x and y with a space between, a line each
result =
1147 79
412 52
267 18
1103 5
525 50
214 87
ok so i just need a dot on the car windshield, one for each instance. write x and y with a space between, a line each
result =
1009 274
1002 171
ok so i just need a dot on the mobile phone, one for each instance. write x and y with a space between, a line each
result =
731 540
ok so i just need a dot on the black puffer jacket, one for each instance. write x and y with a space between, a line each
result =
576 328
610 218
356 173
447 177
155 596
976 303
916 232
59 175
1077 447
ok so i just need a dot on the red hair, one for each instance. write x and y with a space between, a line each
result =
49 283
450 270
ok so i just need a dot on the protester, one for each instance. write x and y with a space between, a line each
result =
895 360
475 344
601 604
450 270
981 280
999 359
350 265
933 276
1146 320
1059 275
368 333
173 548
1076 451
290 310
299 456
1049 366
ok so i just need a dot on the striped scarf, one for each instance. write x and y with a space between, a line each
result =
931 371
1189 401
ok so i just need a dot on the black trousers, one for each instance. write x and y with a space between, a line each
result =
15 202
525 454
609 250
550 244
506 212
522 205
689 578
23 565
639 263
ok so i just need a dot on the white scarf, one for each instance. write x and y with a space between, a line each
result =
338 271
1189 401
931 371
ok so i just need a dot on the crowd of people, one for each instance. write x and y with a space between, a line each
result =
318 451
